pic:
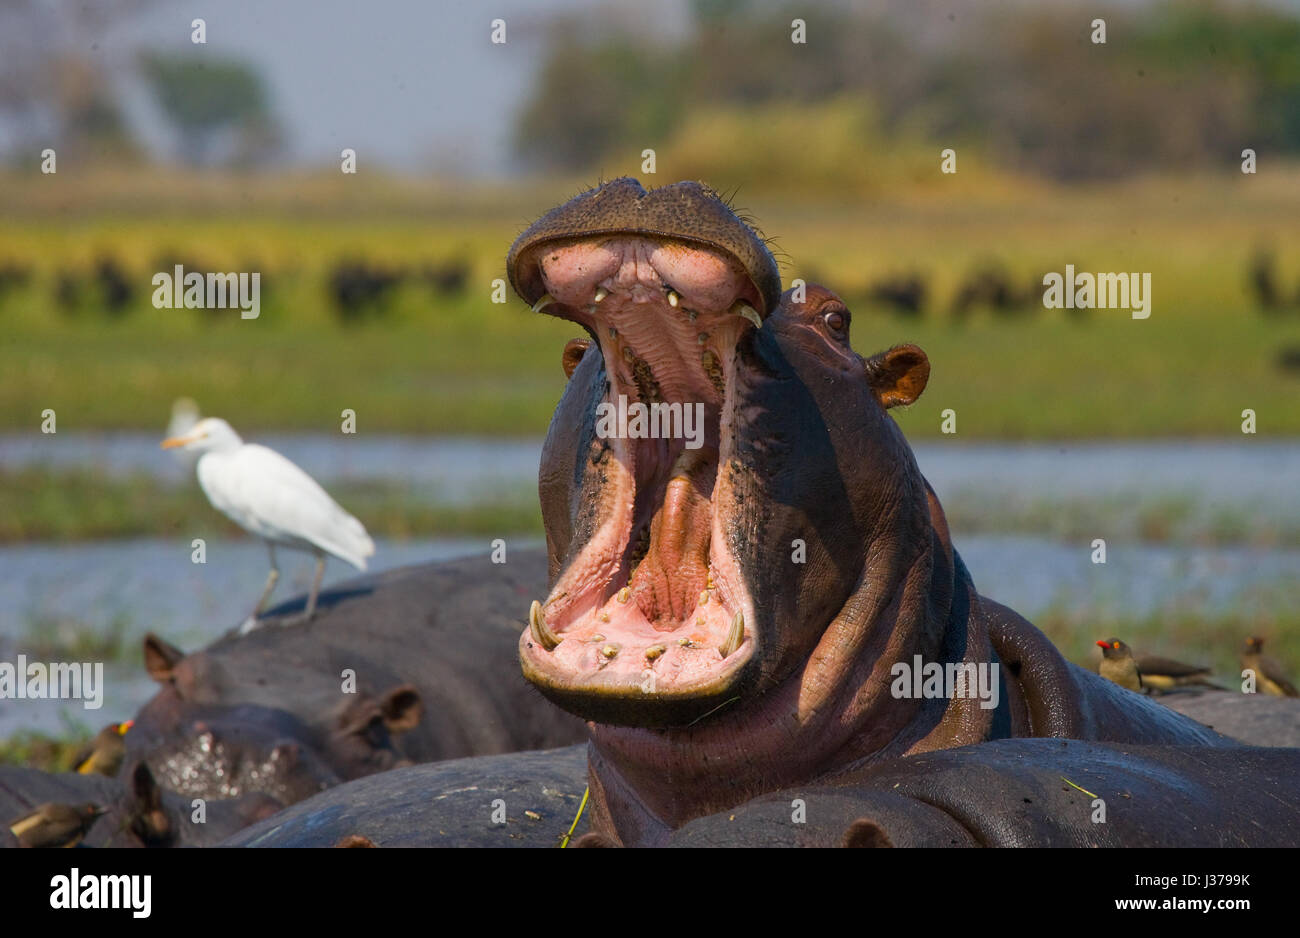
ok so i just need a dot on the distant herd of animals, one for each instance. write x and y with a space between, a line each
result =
358 289
361 289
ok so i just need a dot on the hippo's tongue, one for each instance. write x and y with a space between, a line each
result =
669 579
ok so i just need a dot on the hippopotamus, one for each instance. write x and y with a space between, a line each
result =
223 751
137 812
1257 719
1026 793
768 596
523 799
410 665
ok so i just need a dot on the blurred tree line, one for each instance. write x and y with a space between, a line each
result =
1180 84
59 84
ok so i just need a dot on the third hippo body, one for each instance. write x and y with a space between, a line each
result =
408 665
729 617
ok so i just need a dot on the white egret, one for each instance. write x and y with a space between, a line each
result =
269 496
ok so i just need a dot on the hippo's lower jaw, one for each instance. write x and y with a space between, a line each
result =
652 607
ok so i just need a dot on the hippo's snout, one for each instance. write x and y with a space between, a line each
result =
686 213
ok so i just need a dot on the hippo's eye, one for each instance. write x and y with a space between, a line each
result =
837 320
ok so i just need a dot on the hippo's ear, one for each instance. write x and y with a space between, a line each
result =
897 376
865 833
593 839
573 352
145 813
355 840
402 708
160 658
144 788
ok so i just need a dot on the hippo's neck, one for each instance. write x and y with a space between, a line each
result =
842 708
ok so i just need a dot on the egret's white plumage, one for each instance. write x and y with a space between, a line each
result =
269 496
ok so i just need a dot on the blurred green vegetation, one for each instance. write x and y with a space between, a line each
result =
35 750
36 504
449 360
1177 85
73 640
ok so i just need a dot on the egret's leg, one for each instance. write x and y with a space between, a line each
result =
315 587
271 579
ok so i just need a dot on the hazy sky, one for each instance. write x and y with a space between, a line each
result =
408 83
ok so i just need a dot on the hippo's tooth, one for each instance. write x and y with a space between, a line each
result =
601 293
624 595
545 301
741 308
673 299
541 631
736 635
609 651
654 651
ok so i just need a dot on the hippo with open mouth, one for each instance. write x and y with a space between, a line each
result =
737 607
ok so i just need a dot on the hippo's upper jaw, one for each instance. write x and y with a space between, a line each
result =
650 604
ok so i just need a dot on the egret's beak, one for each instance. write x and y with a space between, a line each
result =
175 441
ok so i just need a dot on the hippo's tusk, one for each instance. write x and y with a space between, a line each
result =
673 299
545 301
741 308
601 293
541 631
736 635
